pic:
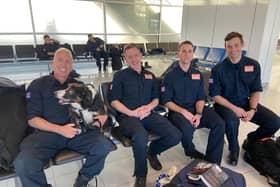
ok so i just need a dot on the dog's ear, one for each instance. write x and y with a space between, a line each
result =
87 98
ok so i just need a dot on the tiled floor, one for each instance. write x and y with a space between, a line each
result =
119 164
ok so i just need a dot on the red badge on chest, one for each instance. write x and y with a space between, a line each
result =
195 76
249 68
148 76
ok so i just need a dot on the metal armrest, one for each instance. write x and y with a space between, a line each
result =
161 110
209 103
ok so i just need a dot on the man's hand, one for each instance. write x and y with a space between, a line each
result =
101 118
144 111
68 130
141 112
248 116
240 112
189 116
196 120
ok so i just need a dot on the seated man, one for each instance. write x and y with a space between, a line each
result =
53 130
49 47
235 85
182 92
95 46
135 94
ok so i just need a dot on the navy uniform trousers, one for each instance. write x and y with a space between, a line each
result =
267 120
40 146
211 120
136 130
98 55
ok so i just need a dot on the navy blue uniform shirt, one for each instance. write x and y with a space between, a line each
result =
183 88
41 100
235 82
133 89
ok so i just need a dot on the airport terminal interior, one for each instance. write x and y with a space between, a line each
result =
145 22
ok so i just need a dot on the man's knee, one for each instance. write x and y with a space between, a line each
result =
219 125
175 135
25 163
103 147
140 138
232 122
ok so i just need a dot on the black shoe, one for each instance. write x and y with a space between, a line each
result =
140 182
81 181
154 162
197 155
233 158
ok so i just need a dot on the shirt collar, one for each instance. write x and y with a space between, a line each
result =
239 64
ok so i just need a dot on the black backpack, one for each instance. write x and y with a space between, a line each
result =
264 156
13 123
180 179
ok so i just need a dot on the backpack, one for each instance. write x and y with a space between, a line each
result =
235 179
264 156
13 123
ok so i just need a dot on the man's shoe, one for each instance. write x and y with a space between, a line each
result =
154 162
233 158
140 182
81 181
197 155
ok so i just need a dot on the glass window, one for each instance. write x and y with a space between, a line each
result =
15 16
157 2
168 23
170 38
70 39
132 18
68 16
173 2
16 39
131 38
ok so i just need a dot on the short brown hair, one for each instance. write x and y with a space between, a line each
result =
186 42
130 46
231 35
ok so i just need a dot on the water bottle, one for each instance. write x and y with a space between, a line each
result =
165 178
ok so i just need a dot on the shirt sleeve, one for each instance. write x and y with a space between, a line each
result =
166 89
116 88
257 85
201 93
214 83
34 101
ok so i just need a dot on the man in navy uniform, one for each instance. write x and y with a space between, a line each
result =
96 46
49 47
235 85
135 94
54 131
182 92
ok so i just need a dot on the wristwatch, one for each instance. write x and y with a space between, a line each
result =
255 109
198 113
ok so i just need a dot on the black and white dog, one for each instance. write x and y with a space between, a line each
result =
85 103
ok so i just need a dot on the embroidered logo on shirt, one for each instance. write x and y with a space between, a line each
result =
195 76
211 81
249 68
148 76
28 95
162 89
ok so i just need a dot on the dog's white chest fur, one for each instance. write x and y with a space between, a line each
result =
87 115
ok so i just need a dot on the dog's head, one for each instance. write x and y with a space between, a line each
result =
78 95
